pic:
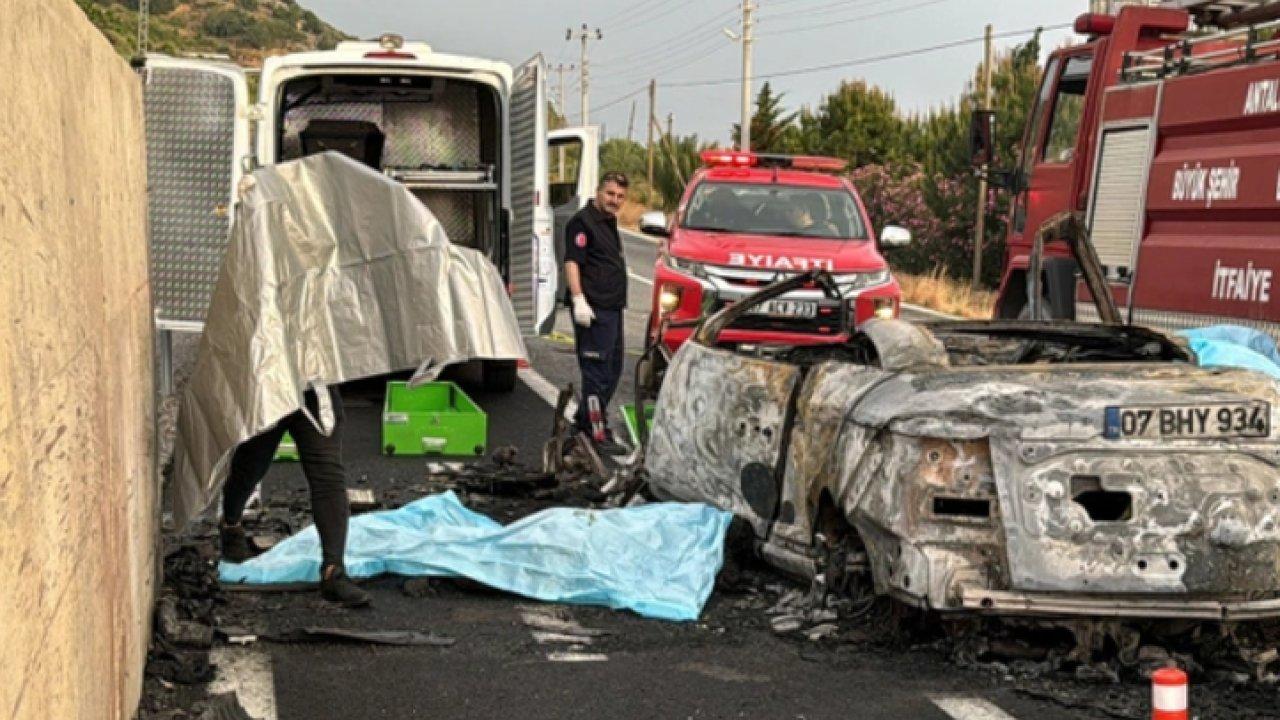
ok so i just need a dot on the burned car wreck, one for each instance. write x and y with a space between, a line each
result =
1002 467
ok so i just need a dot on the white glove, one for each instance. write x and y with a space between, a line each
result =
582 313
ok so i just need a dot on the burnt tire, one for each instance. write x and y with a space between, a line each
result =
498 375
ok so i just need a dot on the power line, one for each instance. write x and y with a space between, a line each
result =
843 5
776 3
560 55
667 60
671 63
636 9
869 60
652 53
665 12
861 18
623 98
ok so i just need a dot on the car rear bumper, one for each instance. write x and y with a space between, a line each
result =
1000 602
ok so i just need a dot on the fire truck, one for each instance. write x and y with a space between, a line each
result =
1162 134
748 219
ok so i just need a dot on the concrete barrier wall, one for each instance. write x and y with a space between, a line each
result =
77 490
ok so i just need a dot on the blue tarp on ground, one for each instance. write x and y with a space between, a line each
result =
1235 346
659 560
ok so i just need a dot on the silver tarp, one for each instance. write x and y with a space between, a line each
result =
333 273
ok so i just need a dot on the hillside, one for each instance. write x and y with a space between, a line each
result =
247 30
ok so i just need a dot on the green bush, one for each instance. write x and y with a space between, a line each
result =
311 23
249 5
229 23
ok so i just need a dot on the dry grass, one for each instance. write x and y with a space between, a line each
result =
937 292
631 212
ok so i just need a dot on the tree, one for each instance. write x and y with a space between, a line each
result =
675 160
858 123
915 171
770 124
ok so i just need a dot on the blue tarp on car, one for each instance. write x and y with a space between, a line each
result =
1235 346
658 560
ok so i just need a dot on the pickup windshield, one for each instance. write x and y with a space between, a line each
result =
787 210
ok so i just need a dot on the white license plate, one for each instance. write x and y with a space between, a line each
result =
788 308
1197 422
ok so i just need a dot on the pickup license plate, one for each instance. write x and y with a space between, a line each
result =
788 308
1195 422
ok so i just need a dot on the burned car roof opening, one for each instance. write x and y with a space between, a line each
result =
1006 467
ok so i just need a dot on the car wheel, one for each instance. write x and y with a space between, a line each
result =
499 375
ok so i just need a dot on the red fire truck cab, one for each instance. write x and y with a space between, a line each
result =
748 219
1167 144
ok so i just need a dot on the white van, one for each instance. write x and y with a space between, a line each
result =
467 135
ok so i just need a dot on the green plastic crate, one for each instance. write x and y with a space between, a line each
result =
432 419
629 416
287 450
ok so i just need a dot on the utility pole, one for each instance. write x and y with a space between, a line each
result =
631 123
144 27
747 24
747 37
671 118
584 71
653 120
980 226
560 70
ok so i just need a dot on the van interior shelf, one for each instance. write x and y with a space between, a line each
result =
475 178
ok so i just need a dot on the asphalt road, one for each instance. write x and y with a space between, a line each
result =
727 665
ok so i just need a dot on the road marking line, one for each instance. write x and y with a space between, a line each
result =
640 279
969 708
247 672
541 386
556 625
641 236
576 657
546 619
553 638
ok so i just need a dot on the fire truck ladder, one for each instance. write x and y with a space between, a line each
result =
1237 46
1226 13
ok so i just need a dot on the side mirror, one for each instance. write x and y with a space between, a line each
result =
895 236
654 223
1012 180
982 133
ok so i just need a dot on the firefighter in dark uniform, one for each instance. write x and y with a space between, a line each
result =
596 272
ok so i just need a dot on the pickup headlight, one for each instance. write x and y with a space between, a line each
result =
669 298
688 267
853 282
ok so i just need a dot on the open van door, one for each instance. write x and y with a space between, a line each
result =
197 133
574 159
532 270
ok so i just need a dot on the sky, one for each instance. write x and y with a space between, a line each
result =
682 41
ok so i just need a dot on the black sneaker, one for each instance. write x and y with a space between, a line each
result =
235 543
338 588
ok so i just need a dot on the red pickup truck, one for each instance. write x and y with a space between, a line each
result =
748 219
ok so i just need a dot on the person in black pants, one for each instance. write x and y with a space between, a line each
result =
596 272
321 458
